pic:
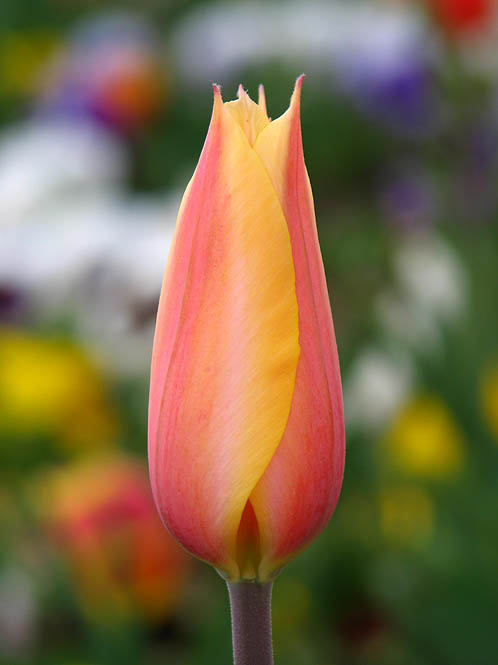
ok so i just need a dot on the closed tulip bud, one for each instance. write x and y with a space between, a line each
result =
246 427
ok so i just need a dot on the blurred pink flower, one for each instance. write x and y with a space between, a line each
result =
101 517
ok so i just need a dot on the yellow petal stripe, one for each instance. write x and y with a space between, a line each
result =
229 376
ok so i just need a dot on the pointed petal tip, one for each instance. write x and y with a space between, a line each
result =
262 98
240 91
296 95
217 99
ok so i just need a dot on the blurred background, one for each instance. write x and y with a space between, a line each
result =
103 112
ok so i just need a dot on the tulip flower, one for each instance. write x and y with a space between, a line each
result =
246 431
100 516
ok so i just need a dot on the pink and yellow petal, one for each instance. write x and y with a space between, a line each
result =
298 491
226 347
251 117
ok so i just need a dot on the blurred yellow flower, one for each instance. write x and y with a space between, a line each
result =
22 57
424 440
406 515
489 398
101 517
51 387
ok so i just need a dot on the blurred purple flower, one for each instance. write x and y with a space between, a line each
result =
403 98
12 304
110 74
408 198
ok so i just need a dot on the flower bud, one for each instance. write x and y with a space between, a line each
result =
246 427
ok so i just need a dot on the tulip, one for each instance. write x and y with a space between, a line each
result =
246 428
101 518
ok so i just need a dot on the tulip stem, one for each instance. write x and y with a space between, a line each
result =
250 606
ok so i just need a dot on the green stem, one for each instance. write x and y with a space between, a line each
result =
250 606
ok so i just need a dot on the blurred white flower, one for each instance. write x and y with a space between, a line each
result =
317 34
41 161
432 275
430 291
99 259
18 613
404 322
380 55
44 160
376 386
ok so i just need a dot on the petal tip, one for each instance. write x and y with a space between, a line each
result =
296 95
217 99
217 91
262 98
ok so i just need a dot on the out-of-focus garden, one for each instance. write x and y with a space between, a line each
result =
103 111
